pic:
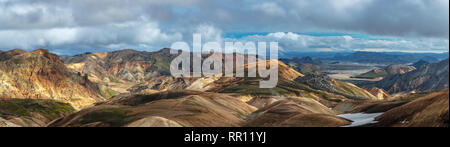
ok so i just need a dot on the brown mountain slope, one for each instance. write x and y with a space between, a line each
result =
324 82
31 112
40 74
427 111
247 87
121 70
122 65
379 93
212 84
170 108
428 77
295 112
387 71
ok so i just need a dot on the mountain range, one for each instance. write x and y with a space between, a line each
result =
429 77
389 58
40 74
134 88
387 71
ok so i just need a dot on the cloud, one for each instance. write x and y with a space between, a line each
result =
151 24
143 35
307 43
270 8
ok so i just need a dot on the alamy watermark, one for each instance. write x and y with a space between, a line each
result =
230 66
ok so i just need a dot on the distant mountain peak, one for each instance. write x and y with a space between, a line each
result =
419 63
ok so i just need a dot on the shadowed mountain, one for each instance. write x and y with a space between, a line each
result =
248 87
170 108
31 112
379 93
387 71
304 65
41 75
324 82
428 77
294 112
123 65
420 63
430 110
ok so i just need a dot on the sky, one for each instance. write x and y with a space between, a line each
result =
75 26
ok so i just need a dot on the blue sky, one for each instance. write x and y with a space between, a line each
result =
76 26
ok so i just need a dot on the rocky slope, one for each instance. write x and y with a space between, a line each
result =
429 77
170 108
41 75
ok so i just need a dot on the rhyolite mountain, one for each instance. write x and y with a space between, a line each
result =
248 87
165 109
186 108
386 71
325 83
293 112
153 81
428 77
122 65
40 74
142 93
430 110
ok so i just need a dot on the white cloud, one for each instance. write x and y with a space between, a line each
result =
151 25
33 15
296 42
209 33
270 8
142 34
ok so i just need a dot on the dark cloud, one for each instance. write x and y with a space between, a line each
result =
145 24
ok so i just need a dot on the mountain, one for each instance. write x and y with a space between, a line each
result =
123 65
40 74
304 65
123 70
31 112
9 54
248 87
420 63
171 108
387 71
430 110
186 108
324 82
389 58
379 93
212 84
295 112
429 77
